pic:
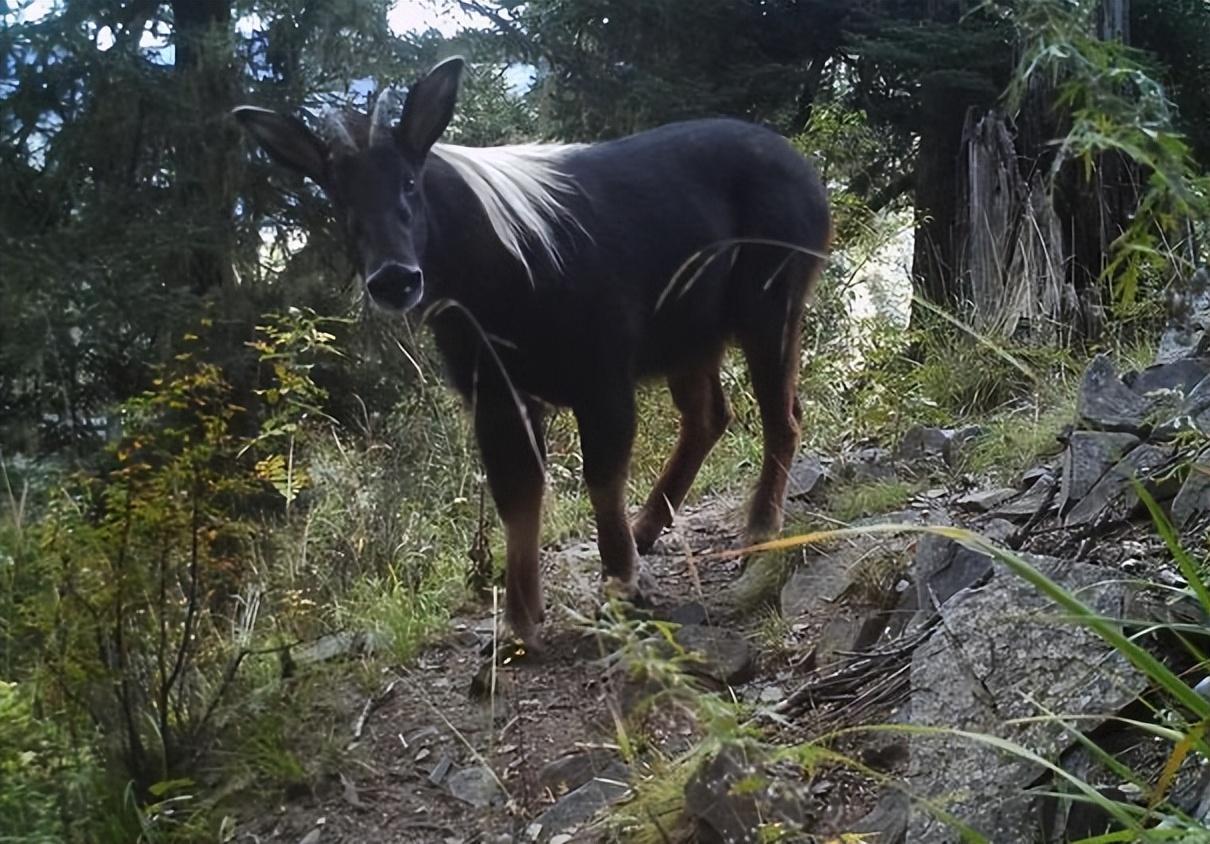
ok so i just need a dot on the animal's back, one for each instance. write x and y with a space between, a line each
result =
652 201
634 211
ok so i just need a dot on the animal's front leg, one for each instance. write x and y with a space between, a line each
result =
513 447
607 426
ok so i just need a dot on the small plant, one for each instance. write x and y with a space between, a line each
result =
1015 440
848 502
1118 107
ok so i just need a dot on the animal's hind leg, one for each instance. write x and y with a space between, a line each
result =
513 449
772 351
705 414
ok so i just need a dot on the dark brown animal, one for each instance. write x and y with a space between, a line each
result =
564 274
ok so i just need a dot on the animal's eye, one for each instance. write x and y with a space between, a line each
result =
409 184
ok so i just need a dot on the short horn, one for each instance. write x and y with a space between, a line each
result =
386 114
336 133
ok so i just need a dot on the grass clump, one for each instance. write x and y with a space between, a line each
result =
847 502
1016 440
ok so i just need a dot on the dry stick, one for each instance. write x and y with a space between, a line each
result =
849 678
372 703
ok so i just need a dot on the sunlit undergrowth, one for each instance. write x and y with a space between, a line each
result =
149 604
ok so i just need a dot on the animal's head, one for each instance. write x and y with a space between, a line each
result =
375 185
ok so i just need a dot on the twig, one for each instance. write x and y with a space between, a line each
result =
371 704
848 681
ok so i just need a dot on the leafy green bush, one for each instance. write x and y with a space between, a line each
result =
46 774
144 599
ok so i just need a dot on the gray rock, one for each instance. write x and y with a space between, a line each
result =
1189 317
821 581
1033 474
1113 497
1104 402
475 785
343 644
867 465
808 476
691 612
1197 406
721 654
1002 653
850 630
577 807
984 500
440 769
887 822
923 442
1179 341
1025 505
733 796
943 567
572 770
1180 376
1089 455
1193 499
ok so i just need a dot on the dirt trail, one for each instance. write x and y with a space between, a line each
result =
429 735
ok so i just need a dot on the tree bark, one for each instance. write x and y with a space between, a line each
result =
1011 262
1024 248
204 65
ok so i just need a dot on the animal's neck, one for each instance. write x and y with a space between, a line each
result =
463 251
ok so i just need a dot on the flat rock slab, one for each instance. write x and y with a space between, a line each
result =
926 443
1194 497
570 771
1113 497
1107 404
1179 376
821 581
867 465
722 655
808 477
1197 406
1089 455
922 442
941 569
476 785
581 804
1004 652
984 500
1028 503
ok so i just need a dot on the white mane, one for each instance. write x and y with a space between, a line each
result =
522 190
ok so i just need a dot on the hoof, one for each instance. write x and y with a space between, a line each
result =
757 534
514 651
626 591
645 536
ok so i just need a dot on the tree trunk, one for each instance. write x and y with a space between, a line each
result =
1011 263
1028 243
204 65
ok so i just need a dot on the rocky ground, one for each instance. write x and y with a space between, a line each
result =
910 631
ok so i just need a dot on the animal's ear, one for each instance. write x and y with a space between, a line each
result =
287 140
429 107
